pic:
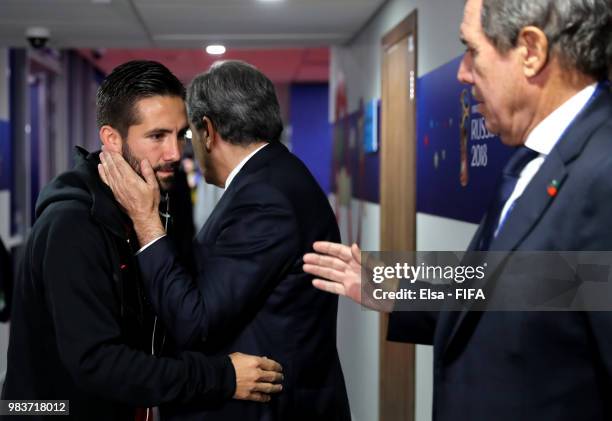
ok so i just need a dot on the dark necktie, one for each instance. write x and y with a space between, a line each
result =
505 187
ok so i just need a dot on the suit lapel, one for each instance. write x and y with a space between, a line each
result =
476 238
204 232
525 215
534 201
259 160
532 204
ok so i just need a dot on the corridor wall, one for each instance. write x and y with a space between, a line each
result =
357 65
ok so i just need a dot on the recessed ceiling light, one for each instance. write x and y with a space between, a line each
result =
270 1
215 50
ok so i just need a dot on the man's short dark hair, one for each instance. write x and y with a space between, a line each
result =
126 85
240 102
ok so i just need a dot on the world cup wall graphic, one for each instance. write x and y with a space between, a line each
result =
458 159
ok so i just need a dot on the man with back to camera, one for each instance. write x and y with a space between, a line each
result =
539 72
250 293
79 327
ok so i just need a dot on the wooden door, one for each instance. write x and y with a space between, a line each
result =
398 201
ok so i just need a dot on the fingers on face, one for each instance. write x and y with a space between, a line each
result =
103 162
115 162
108 163
102 173
147 172
108 173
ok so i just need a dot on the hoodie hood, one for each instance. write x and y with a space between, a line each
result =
83 184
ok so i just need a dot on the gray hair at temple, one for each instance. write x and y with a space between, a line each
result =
239 100
579 32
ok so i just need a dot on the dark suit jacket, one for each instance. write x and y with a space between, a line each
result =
251 295
534 365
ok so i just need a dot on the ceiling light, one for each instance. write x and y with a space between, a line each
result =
215 50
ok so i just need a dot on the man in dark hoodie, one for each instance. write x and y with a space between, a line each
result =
80 324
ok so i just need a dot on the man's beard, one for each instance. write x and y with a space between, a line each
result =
165 184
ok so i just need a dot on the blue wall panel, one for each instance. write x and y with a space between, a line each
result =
351 160
311 136
454 180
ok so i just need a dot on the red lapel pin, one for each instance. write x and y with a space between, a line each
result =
553 188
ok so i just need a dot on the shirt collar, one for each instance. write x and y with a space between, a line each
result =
242 163
546 134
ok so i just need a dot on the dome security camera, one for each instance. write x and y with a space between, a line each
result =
37 36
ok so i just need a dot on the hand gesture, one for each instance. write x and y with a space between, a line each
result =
339 270
139 198
256 377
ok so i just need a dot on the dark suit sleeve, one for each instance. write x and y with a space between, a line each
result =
257 242
406 324
79 289
182 230
415 327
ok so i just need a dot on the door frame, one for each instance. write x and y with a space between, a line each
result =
397 361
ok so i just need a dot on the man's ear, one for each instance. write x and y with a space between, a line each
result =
533 48
111 139
209 134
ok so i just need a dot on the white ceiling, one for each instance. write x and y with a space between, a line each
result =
185 23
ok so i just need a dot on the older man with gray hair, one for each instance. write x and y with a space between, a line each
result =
539 71
250 292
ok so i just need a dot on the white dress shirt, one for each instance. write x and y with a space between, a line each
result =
242 163
543 138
